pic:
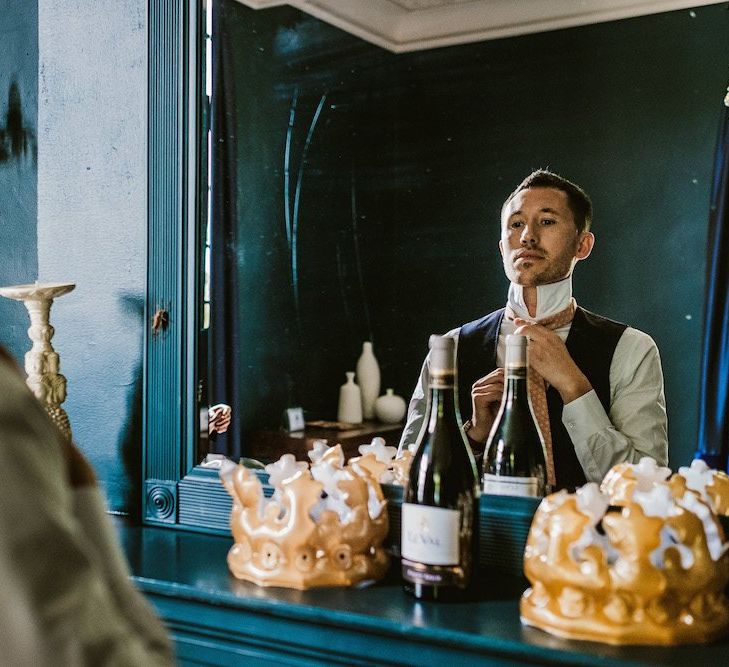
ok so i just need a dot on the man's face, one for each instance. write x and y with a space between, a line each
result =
539 241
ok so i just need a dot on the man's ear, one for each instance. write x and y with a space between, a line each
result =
501 249
585 245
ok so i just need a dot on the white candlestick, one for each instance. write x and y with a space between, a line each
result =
42 362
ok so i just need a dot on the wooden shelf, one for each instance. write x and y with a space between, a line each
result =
270 445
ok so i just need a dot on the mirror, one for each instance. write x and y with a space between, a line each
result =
355 195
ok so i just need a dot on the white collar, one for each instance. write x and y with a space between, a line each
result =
551 298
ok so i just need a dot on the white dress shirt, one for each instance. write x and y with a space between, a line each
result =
634 426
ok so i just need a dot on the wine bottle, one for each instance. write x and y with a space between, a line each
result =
440 504
515 461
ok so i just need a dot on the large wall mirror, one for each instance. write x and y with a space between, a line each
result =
355 195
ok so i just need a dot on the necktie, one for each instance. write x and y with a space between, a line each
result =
537 387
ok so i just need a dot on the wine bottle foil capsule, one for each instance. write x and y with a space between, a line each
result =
516 351
442 355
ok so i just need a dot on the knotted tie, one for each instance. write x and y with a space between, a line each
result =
537 387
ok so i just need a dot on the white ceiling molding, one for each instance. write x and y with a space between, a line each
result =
410 25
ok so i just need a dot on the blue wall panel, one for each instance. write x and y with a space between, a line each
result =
92 221
18 164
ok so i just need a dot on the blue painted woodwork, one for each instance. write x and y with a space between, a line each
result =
218 620
170 415
18 164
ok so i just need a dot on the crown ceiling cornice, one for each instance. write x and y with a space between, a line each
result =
410 25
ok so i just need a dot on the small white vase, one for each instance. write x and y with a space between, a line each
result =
368 377
350 402
390 408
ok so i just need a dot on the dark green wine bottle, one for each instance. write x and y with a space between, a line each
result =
439 544
515 462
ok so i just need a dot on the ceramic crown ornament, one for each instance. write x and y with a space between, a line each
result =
640 560
324 525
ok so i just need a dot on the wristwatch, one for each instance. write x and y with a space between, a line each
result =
467 426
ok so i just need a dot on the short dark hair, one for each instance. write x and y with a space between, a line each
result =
577 198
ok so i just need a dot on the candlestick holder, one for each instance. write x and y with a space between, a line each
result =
42 362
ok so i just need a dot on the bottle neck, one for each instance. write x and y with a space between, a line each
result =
516 383
442 379
445 395
442 395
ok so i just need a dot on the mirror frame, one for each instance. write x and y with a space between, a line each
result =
176 181
175 491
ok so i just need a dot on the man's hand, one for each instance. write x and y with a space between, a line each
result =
486 395
548 356
219 418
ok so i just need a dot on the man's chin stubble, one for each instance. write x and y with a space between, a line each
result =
533 280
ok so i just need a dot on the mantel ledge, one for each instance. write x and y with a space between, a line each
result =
185 575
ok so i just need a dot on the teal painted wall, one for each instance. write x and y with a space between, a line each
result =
92 189
428 145
18 165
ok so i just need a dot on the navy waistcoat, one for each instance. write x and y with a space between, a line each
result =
591 343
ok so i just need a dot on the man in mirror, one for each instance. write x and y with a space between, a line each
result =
603 382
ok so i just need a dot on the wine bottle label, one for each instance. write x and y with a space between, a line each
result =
501 485
433 575
430 534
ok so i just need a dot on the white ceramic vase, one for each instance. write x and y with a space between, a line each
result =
350 402
368 378
390 408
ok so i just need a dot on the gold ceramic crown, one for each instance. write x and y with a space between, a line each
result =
641 561
324 525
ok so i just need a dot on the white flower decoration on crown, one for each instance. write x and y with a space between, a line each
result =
658 501
698 476
316 453
648 472
382 452
592 502
285 468
329 472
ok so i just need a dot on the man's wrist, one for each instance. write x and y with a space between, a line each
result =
473 433
576 388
